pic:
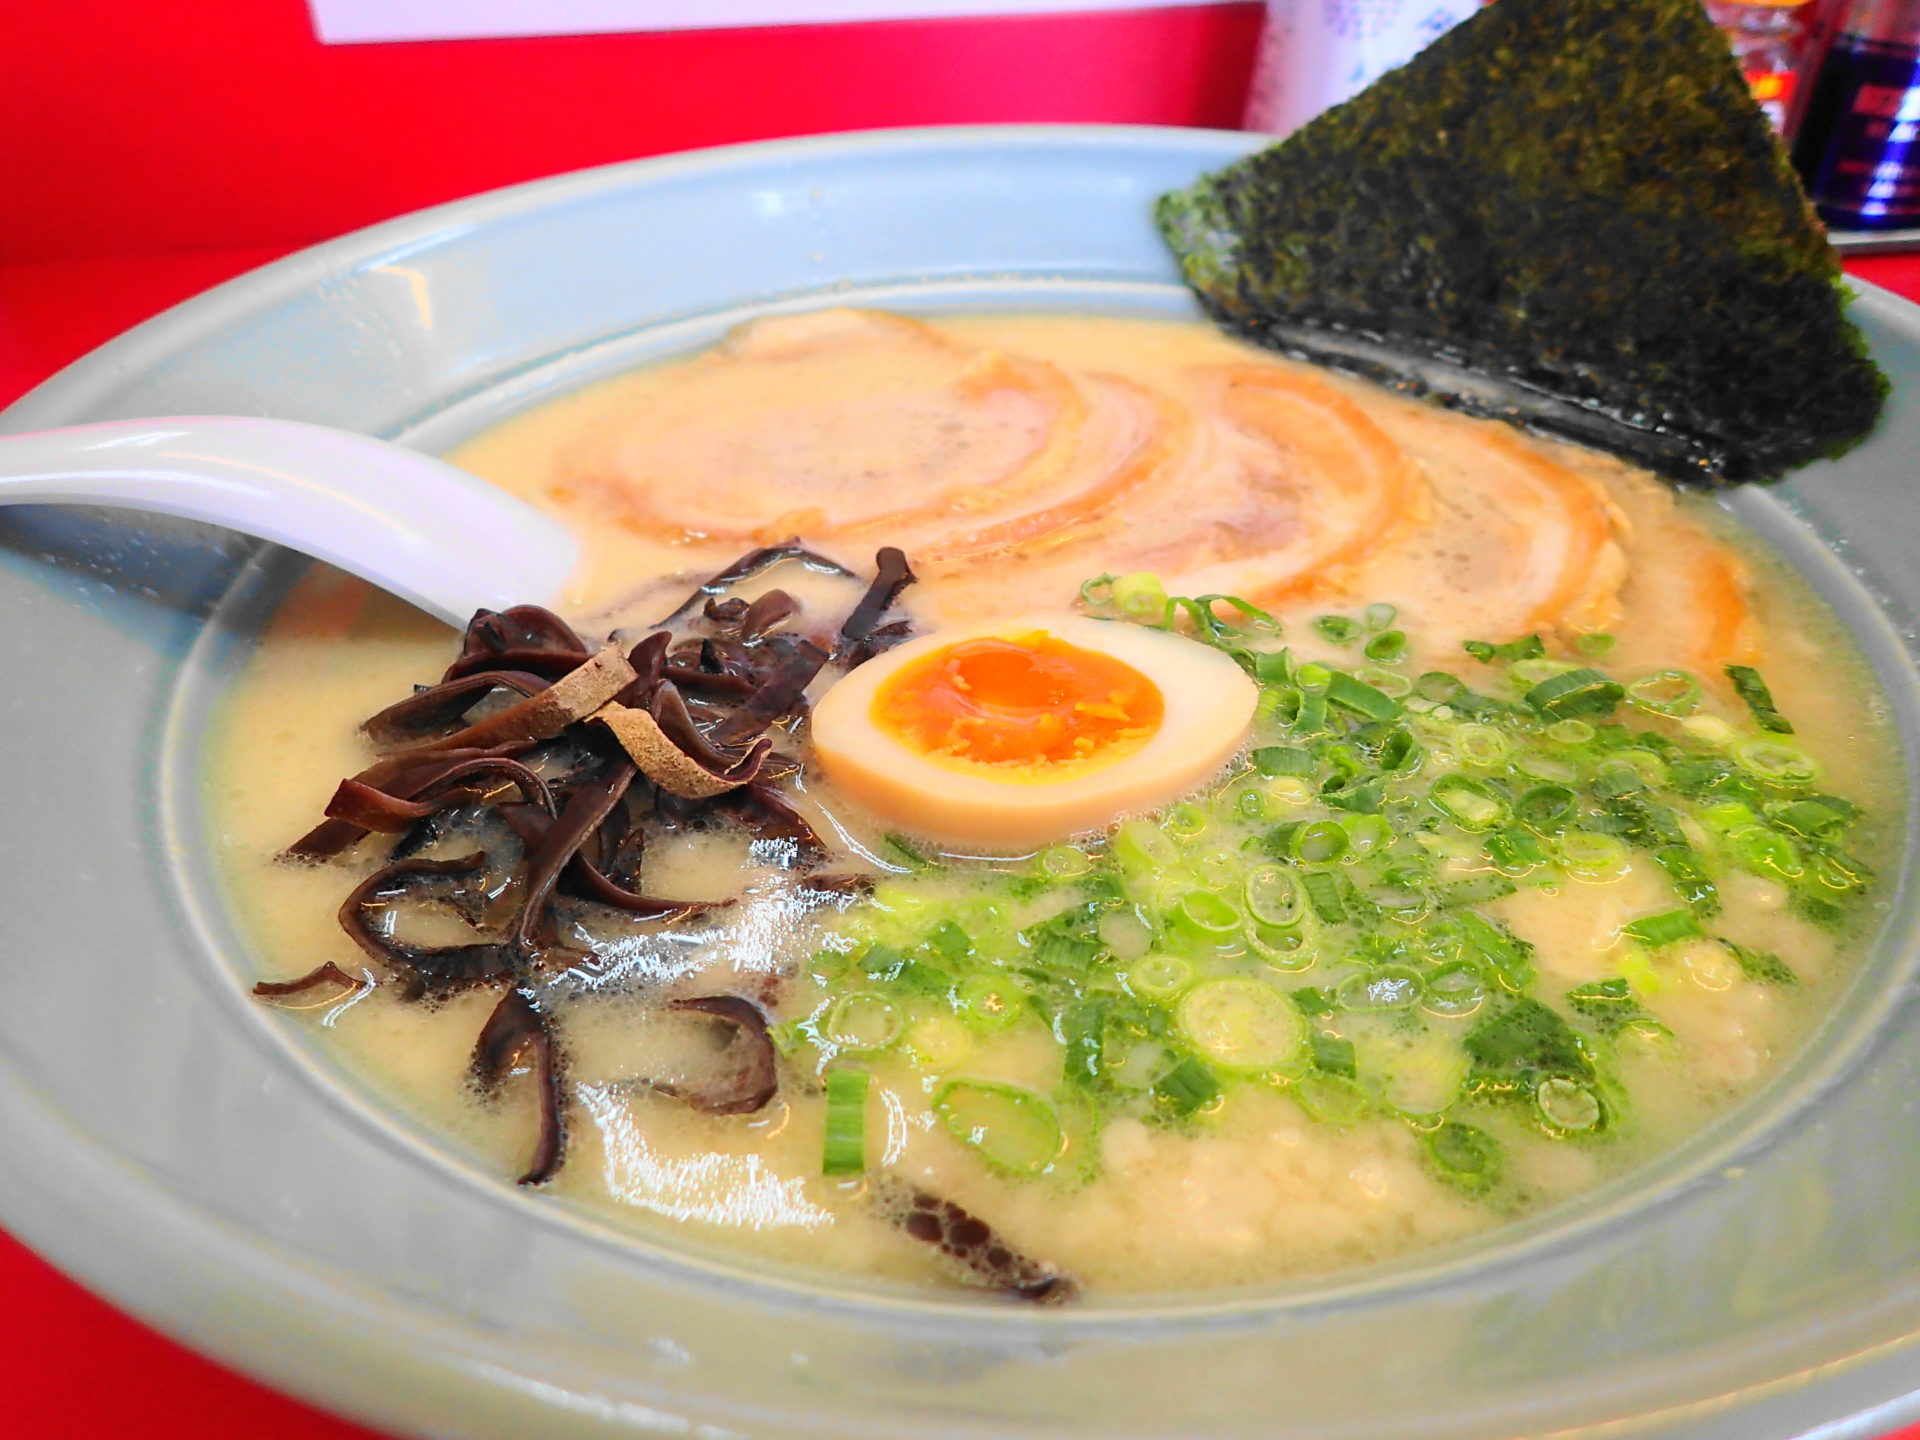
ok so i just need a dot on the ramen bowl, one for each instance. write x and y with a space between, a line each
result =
199 1160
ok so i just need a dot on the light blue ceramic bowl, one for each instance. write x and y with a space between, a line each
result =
187 1153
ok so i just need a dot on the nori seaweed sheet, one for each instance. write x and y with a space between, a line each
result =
1577 198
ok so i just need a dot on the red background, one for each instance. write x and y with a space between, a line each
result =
149 150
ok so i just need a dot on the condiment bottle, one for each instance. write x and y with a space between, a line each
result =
1854 147
1768 39
1316 53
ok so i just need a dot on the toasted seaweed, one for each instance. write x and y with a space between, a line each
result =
1576 198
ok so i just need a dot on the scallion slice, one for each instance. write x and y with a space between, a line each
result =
1573 694
1389 647
1567 1106
1776 762
1361 698
1591 856
1666 692
1273 760
1323 893
1241 1024
1471 804
1188 1087
1546 808
1273 897
1158 977
1336 629
1379 616
844 1151
1320 842
863 1020
1748 685
1664 928
1391 987
1016 1129
1464 1155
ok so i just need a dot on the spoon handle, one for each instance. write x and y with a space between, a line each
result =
435 536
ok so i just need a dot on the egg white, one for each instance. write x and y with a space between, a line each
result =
1208 699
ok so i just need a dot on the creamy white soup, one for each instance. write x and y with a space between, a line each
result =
1279 827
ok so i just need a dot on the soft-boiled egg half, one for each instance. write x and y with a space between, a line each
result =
1026 730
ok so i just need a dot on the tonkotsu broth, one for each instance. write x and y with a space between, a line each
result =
1252 1187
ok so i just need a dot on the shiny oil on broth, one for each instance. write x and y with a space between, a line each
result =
1013 458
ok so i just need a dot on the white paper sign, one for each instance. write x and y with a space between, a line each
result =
352 22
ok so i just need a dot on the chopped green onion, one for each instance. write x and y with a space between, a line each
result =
1284 949
1390 683
1471 804
1438 685
1137 596
1527 647
1476 890
1464 1155
1273 760
1689 877
952 943
1587 855
1366 833
1312 1000
1331 1099
1546 808
1379 616
1273 667
1748 685
1594 643
1202 915
1320 842
1515 851
1809 819
1481 745
1323 893
1063 862
1185 821
1666 692
1158 977
863 1020
1533 671
1241 1024
1566 1105
1015 1129
1664 928
1509 957
1313 678
1765 852
1776 762
904 851
1570 732
1332 1055
1188 1087
1389 647
1336 629
1401 754
1392 987
1361 698
1762 966
1272 897
844 1151
1454 990
1142 845
993 1001
1575 693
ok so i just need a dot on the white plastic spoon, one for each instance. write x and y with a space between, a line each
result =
435 536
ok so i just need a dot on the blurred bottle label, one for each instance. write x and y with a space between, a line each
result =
1856 147
1768 37
1316 53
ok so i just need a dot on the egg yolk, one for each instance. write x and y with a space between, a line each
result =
1027 703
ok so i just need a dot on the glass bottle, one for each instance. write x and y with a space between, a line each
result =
1855 146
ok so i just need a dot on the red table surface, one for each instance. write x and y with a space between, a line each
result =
76 1367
